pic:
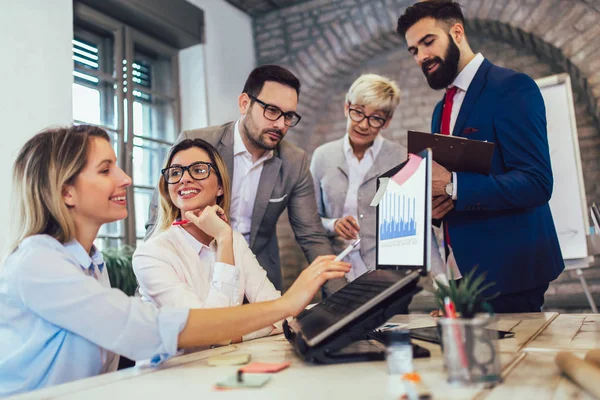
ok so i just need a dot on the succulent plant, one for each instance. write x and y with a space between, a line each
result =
467 296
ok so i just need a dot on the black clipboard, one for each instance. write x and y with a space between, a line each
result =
456 154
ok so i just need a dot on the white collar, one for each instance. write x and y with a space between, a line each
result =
240 148
195 243
464 79
85 260
373 150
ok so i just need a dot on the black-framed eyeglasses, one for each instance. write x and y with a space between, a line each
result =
358 116
273 113
198 171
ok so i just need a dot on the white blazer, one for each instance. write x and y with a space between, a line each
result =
171 273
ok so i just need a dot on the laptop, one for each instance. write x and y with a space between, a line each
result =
331 331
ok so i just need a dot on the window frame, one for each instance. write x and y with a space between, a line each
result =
125 41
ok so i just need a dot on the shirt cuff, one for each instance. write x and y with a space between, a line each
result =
329 224
454 186
225 273
171 322
226 279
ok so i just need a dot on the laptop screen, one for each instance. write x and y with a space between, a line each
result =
404 214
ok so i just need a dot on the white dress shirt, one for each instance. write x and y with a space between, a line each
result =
60 320
462 82
357 169
176 270
246 176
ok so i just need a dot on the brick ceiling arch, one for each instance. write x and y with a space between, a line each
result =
325 42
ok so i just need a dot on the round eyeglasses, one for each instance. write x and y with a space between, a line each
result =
273 113
197 170
358 116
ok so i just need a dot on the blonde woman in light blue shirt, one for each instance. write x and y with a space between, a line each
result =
59 318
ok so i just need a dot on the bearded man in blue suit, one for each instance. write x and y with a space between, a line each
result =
500 222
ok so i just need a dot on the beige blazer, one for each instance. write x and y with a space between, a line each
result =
330 172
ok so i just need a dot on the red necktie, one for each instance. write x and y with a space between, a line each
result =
447 112
445 130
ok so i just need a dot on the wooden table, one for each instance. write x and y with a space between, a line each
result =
571 332
576 333
528 374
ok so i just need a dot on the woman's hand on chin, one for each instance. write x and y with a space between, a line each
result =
212 220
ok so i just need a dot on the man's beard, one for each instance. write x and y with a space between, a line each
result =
260 140
447 69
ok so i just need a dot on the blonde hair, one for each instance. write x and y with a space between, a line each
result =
167 212
375 90
47 162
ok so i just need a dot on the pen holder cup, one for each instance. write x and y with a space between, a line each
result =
470 350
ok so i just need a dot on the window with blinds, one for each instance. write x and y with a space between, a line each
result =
126 83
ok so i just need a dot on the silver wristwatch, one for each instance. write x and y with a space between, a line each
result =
450 186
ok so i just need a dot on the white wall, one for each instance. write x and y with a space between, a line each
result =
36 70
228 57
192 88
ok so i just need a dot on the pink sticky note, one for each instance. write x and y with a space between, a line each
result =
258 367
408 170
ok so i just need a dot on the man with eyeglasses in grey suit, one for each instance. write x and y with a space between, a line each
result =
268 174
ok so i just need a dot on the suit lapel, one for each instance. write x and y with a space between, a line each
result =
373 172
225 147
341 161
436 120
268 177
471 97
382 160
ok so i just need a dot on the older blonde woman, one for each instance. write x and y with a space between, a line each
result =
202 263
345 172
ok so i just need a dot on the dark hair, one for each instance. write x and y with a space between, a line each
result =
273 73
447 11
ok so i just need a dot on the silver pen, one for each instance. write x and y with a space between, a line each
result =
347 250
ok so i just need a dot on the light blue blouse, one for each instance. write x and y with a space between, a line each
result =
60 320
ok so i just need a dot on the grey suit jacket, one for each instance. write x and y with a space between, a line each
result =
330 172
285 181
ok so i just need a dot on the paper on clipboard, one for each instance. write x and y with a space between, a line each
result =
383 183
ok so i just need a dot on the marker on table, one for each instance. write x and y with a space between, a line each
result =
347 250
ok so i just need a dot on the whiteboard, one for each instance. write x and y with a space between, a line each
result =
568 203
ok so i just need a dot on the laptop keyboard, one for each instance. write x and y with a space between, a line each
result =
350 297
343 306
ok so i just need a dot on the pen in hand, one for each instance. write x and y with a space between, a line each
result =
347 250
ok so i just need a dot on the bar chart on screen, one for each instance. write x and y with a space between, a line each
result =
398 216
401 217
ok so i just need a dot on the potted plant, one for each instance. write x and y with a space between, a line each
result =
120 270
470 348
467 297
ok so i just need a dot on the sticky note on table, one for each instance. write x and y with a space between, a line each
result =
228 359
247 381
258 367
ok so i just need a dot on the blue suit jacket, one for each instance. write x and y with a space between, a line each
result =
502 222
